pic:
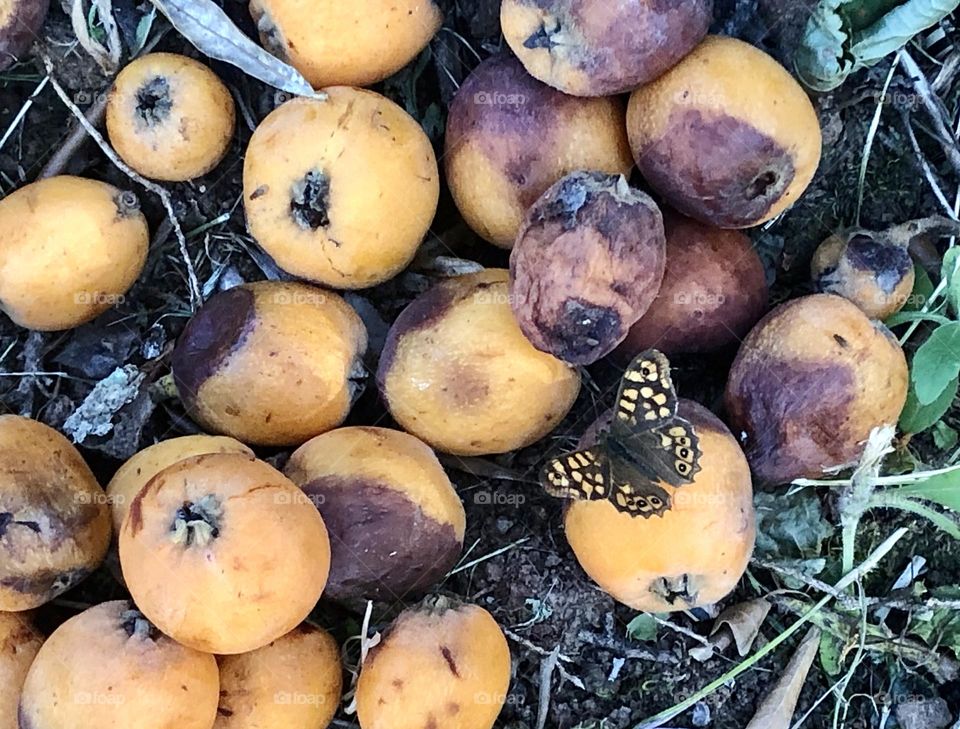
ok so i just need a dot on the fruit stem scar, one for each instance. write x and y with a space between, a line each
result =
197 522
673 589
127 204
761 184
153 101
310 200
136 625
545 36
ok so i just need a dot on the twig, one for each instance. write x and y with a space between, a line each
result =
547 668
922 87
194 286
684 631
871 134
561 658
924 165
23 111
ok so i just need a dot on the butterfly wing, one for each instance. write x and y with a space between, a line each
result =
670 452
633 493
583 475
646 397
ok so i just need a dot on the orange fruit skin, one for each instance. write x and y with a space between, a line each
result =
692 555
19 644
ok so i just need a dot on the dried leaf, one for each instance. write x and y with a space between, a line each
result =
95 414
776 710
213 33
738 625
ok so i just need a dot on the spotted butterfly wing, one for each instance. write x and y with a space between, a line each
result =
591 476
662 445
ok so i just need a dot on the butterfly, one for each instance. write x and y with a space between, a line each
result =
647 443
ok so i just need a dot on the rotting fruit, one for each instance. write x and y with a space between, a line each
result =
692 554
600 48
727 136
20 24
440 664
271 363
134 474
873 270
341 191
396 523
71 248
54 520
110 667
714 290
293 683
510 137
169 117
19 643
457 372
587 264
223 553
809 384
353 43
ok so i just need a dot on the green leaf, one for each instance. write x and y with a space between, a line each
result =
939 628
948 272
790 527
895 29
943 489
643 627
944 436
916 418
923 289
936 363
831 653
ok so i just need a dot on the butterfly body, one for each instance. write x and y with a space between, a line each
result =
646 447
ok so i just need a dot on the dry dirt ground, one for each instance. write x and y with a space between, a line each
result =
531 583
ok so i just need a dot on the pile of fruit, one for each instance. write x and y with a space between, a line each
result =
225 557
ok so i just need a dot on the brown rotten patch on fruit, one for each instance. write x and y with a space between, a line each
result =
340 191
271 363
457 372
695 552
19 643
714 290
71 249
169 117
20 24
54 520
440 664
266 688
396 523
810 382
599 48
727 136
142 677
587 264
353 44
191 566
509 137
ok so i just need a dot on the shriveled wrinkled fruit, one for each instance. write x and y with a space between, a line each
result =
727 136
20 24
396 523
109 667
351 43
714 290
457 372
587 264
271 362
293 683
223 553
874 273
510 137
441 664
170 117
133 475
71 248
601 48
19 643
810 382
54 520
341 191
695 552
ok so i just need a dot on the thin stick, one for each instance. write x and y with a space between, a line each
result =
871 134
194 286
922 87
23 111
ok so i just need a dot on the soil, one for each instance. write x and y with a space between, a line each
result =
531 584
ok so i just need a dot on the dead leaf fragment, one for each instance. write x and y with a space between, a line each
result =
776 710
737 625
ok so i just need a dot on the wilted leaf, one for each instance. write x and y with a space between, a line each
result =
95 414
790 526
936 363
213 33
939 628
738 625
831 654
944 437
776 710
643 627
845 35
